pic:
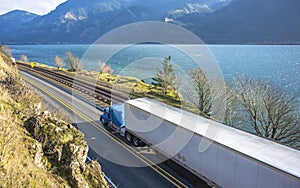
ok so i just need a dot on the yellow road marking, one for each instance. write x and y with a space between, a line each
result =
145 160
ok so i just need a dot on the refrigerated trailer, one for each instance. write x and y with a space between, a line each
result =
219 154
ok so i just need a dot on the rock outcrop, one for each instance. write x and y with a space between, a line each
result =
38 149
63 145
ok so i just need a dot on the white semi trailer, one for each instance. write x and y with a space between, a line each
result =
221 155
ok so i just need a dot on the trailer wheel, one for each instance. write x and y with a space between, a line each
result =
136 141
128 137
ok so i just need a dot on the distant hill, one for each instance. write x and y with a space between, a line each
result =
11 20
215 21
16 18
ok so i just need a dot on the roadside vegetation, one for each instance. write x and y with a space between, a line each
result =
265 108
60 63
74 62
258 107
165 77
5 50
24 58
105 69
38 148
270 112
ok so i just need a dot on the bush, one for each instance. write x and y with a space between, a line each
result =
105 69
24 58
5 49
59 62
73 61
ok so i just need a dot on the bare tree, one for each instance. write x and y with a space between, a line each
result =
24 58
105 69
213 98
59 62
202 97
272 113
73 61
5 49
207 95
232 116
165 77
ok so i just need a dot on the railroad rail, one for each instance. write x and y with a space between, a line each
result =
101 95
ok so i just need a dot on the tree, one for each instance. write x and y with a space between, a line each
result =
24 58
202 96
59 62
232 117
272 113
105 69
165 77
207 95
73 61
5 49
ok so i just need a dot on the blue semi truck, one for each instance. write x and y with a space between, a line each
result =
114 117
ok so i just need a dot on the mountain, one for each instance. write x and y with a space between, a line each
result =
14 19
196 6
214 21
77 21
249 21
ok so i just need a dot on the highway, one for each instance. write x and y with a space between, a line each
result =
112 152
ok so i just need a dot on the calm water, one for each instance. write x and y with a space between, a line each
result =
279 64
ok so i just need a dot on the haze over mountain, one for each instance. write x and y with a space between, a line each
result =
215 21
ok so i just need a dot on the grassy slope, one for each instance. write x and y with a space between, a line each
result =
23 162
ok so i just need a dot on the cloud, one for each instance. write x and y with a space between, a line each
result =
38 7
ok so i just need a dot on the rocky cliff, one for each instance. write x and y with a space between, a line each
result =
37 148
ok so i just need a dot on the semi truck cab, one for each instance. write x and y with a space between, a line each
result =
114 117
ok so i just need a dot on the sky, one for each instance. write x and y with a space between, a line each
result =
40 7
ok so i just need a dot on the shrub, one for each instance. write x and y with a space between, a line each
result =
73 61
59 62
24 58
105 69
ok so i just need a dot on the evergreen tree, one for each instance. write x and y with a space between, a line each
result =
165 77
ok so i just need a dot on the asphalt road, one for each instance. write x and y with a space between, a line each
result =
118 160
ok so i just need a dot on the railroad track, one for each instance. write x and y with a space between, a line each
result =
101 95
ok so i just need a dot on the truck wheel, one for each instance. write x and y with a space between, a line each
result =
102 121
128 137
136 141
